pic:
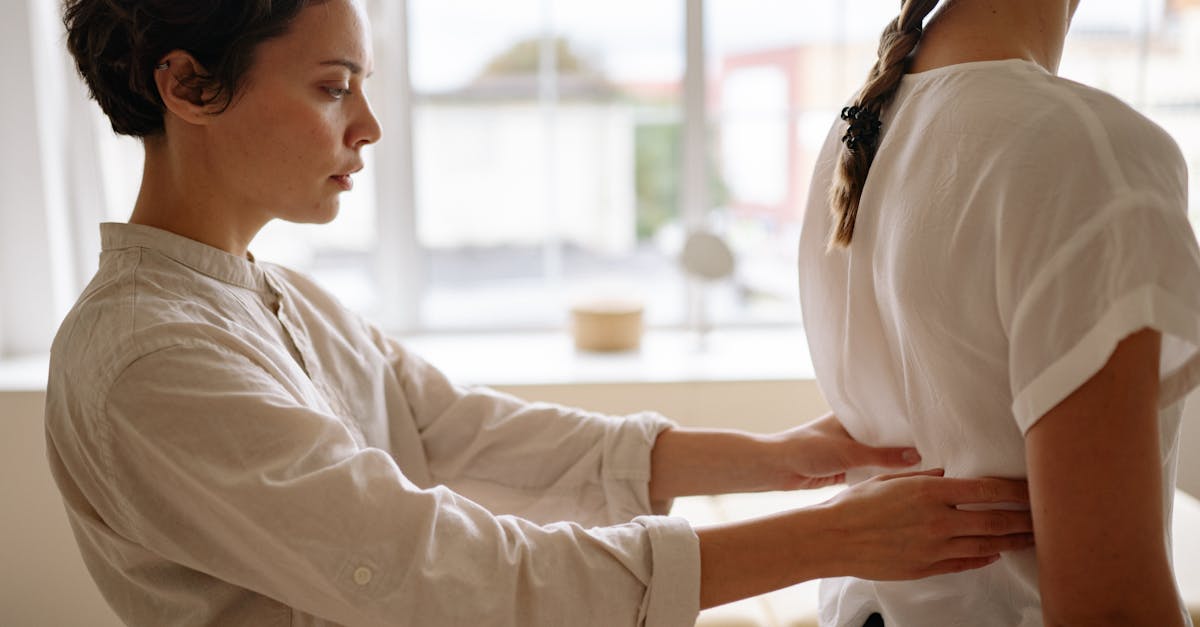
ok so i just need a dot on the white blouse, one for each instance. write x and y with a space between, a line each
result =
1014 227
235 448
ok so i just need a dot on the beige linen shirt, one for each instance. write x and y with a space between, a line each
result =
235 448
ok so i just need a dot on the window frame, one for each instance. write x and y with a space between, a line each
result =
400 267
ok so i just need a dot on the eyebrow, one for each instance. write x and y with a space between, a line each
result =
346 63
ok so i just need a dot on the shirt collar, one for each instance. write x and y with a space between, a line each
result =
202 258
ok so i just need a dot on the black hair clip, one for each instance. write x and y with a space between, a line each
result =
864 127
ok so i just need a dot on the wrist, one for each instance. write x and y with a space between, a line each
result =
686 462
769 459
827 539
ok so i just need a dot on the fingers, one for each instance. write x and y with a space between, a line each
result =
811 483
986 490
946 567
983 546
822 482
989 523
969 491
971 553
932 472
914 525
892 457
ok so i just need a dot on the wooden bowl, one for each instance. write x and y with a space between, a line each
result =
607 325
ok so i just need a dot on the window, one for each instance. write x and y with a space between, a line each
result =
548 160
779 72
1147 53
545 137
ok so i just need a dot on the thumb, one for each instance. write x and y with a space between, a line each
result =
886 457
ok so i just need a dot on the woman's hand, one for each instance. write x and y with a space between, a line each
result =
908 526
819 453
886 528
685 462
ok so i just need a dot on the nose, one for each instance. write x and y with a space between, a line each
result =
365 129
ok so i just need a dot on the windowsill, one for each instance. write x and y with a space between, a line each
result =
666 356
549 358
24 374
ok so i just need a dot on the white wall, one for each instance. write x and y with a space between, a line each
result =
28 321
50 194
1189 447
43 580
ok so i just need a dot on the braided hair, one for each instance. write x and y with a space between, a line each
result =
861 140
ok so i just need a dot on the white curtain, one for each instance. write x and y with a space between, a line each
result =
53 184
51 194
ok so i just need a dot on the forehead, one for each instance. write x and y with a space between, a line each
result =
334 29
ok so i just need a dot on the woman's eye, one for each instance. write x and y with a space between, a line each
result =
337 93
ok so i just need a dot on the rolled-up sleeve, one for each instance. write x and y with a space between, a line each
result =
216 466
1134 265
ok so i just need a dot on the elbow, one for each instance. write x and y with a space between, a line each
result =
1131 594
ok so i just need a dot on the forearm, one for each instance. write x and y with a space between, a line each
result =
812 455
687 462
883 528
744 559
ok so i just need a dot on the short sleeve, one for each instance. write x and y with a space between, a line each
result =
1134 264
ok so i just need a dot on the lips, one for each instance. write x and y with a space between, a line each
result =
343 180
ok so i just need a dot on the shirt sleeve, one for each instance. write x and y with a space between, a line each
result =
216 466
1097 247
541 461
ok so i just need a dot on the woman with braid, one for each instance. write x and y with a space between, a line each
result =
996 267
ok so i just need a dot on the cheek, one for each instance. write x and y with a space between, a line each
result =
281 142
246 140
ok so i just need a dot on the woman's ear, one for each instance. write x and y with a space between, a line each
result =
179 79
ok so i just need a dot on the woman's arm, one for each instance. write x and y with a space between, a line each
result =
898 527
1095 480
687 462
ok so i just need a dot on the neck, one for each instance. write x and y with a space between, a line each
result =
986 30
178 194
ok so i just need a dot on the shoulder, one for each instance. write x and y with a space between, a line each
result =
137 304
1024 113
1047 150
1093 138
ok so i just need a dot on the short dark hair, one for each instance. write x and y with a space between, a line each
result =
117 44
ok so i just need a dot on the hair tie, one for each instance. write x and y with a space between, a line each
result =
864 127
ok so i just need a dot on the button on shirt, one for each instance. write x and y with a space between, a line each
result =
235 448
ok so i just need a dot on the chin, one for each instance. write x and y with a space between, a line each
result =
323 213
326 217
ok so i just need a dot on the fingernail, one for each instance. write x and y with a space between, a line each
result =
911 456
